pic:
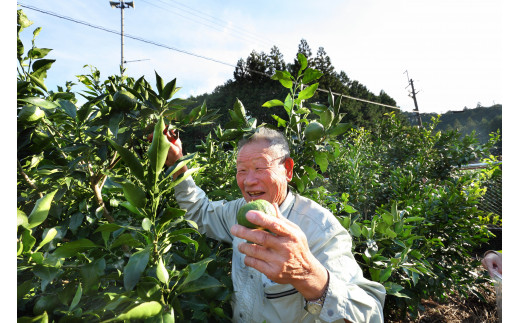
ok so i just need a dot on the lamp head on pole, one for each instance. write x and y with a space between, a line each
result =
114 4
130 4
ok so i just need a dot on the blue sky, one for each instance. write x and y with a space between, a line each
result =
452 49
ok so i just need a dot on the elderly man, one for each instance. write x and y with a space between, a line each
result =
304 270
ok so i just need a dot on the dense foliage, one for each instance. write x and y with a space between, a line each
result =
481 120
100 236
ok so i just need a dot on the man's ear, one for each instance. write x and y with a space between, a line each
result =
289 165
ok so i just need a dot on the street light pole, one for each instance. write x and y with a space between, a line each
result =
123 5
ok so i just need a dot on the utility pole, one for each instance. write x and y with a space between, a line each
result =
416 110
123 5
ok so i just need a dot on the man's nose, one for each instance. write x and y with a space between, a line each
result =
250 178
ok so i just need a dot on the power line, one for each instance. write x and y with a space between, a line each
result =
126 35
218 19
238 33
358 99
182 51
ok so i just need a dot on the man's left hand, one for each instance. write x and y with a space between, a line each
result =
284 256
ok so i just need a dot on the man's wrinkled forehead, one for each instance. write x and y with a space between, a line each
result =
264 159
266 155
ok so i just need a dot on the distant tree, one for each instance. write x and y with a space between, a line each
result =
254 69
276 62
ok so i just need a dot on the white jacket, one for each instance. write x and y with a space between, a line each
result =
258 299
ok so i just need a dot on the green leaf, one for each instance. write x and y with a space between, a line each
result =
36 53
195 270
77 298
176 167
169 90
146 224
322 160
39 102
159 82
415 278
239 110
388 218
390 233
299 183
19 49
318 108
68 107
40 210
158 151
40 68
28 240
42 318
37 81
308 92
161 318
349 209
135 267
127 205
92 272
108 227
310 75
134 194
385 274
272 103
355 230
162 272
281 122
303 62
125 239
37 257
51 233
23 288
286 84
393 289
21 219
167 217
282 75
204 282
46 274
141 311
129 159
311 172
113 123
22 20
326 118
184 176
70 249
413 219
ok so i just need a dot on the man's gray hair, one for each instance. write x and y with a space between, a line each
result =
276 139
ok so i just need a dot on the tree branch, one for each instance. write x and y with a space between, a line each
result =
27 179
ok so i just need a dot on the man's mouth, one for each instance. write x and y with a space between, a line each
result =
255 194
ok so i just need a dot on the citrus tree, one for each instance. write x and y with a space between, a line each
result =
99 234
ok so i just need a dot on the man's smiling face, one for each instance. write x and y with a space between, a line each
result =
263 173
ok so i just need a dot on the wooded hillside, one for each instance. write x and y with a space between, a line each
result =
253 85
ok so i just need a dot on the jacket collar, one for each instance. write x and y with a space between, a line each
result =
287 204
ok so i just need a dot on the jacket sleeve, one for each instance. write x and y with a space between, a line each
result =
349 294
213 218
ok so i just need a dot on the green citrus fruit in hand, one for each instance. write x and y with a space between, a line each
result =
314 131
259 205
